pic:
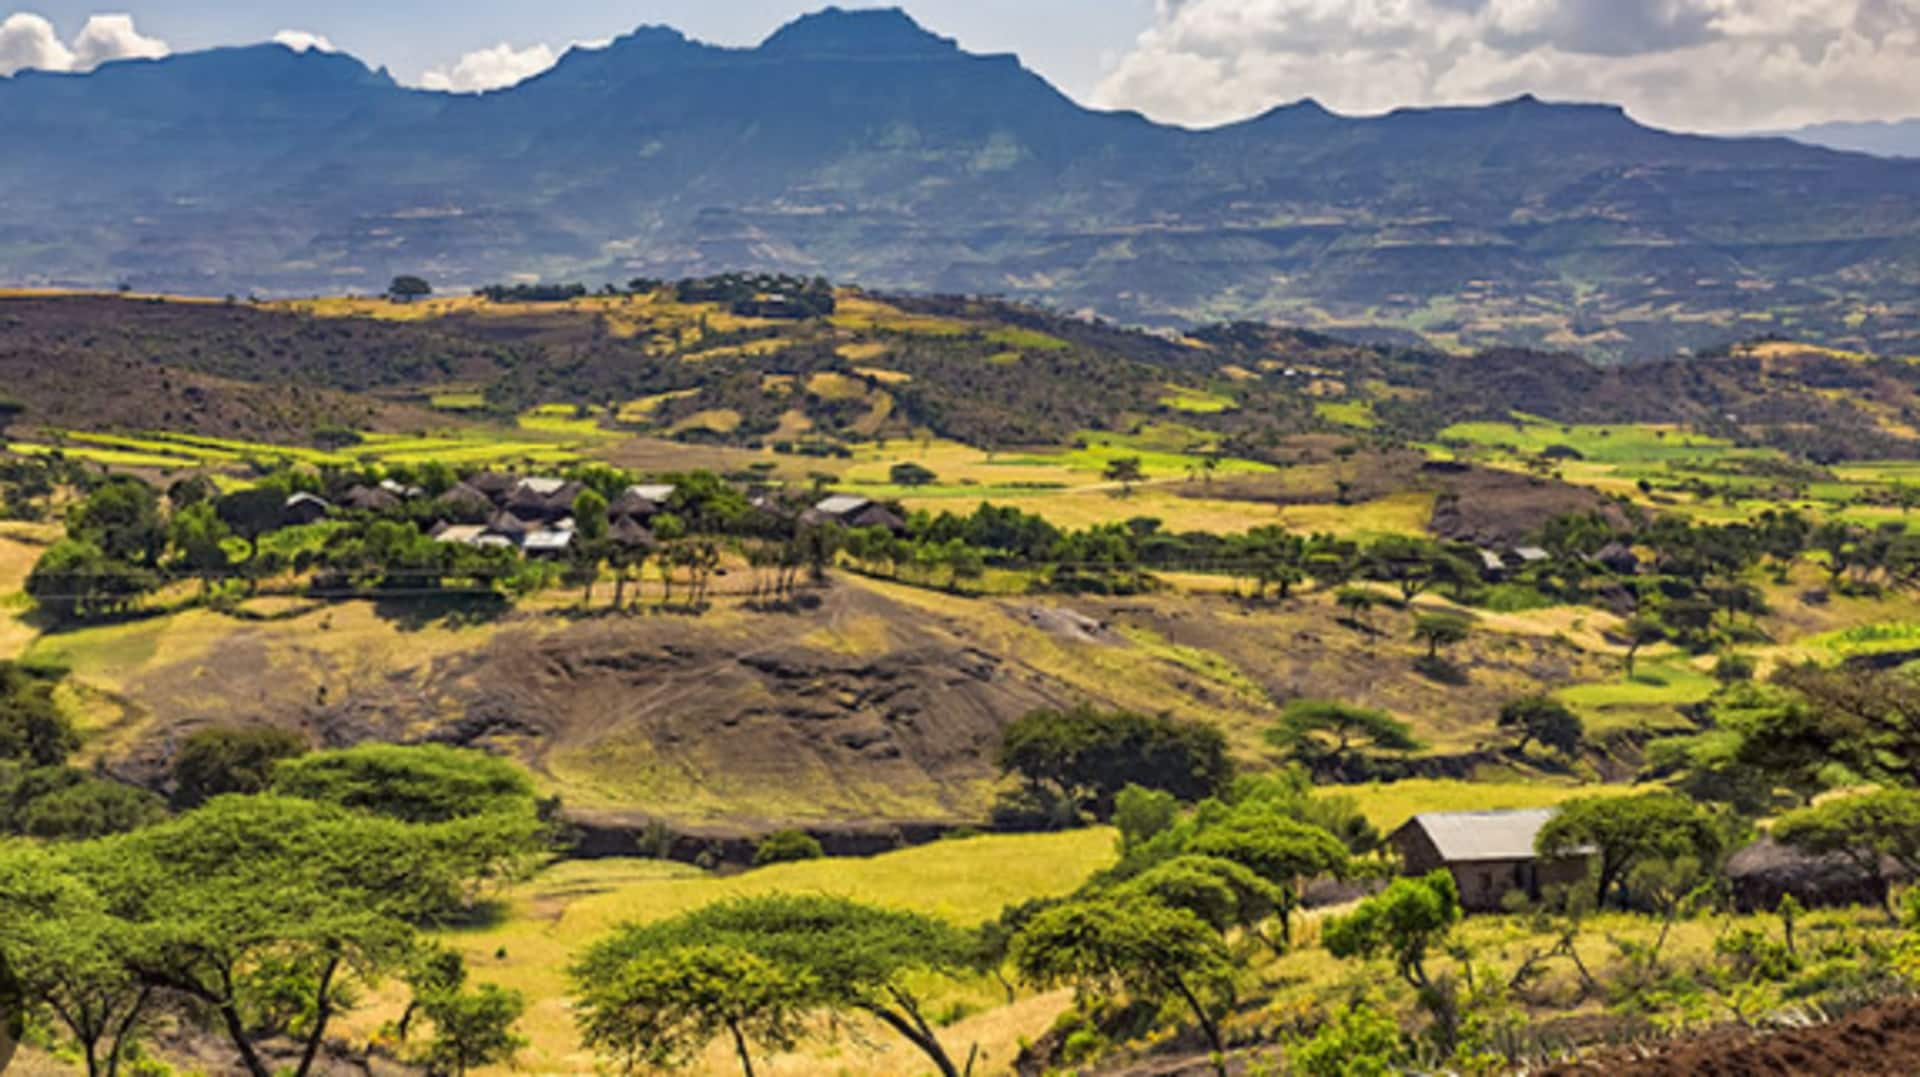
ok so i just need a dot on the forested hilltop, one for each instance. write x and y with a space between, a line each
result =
749 674
860 146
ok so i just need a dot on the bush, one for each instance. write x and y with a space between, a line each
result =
1362 1042
786 847
215 762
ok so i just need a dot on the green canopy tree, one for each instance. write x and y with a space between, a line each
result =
1620 832
270 912
33 730
1277 848
1223 893
1131 944
1089 756
854 958
1336 738
199 539
1438 630
1406 922
1545 720
229 759
429 783
1127 471
472 1028
663 1008
66 955
122 519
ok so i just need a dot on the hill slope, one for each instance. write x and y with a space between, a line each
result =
861 146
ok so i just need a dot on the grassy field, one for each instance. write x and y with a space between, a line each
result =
549 920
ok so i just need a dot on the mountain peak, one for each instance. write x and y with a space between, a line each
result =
863 33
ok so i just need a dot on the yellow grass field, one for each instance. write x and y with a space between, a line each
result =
549 920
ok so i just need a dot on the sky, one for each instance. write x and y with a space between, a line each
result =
1711 65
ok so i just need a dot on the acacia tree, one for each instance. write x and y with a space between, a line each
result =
850 957
662 1008
1132 944
271 912
1280 849
1089 756
1438 630
1622 832
1332 738
1223 893
1548 721
1642 632
1127 471
65 955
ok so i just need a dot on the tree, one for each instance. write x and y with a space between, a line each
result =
1548 721
406 289
1359 603
1406 922
1869 830
1127 471
428 783
663 1009
199 537
1133 944
1438 630
911 474
851 957
1224 893
33 730
229 759
472 1028
122 519
252 513
1865 720
1360 1042
64 804
1334 738
1089 756
1642 632
272 914
64 955
1142 814
1278 848
1621 832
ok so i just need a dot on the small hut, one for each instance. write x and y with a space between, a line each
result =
1766 871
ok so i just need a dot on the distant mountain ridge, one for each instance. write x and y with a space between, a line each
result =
1896 138
860 146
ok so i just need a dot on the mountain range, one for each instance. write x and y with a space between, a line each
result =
860 146
1895 138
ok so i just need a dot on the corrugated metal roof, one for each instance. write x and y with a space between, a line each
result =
842 505
1484 835
659 494
547 541
545 487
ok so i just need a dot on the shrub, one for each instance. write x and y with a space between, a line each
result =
786 847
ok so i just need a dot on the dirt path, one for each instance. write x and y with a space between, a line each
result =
1881 1041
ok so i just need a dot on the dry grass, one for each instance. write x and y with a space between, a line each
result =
549 920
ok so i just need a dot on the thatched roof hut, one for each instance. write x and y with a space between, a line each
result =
1766 871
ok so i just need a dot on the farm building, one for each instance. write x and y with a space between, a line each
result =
303 509
853 512
1490 854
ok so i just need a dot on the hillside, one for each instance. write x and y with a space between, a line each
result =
860 146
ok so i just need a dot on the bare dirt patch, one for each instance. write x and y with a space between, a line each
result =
1881 1041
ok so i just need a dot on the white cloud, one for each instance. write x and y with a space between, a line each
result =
106 38
490 69
304 41
30 41
1702 64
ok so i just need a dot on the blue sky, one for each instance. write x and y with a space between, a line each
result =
1706 65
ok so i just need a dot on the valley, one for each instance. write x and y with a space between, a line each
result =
1217 531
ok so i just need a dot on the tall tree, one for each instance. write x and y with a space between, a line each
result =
1135 945
1620 832
663 1008
1335 738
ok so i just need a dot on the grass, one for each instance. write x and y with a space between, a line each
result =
549 920
1610 444
1388 805
1356 414
1197 401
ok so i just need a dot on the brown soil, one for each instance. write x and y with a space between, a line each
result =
1882 1041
